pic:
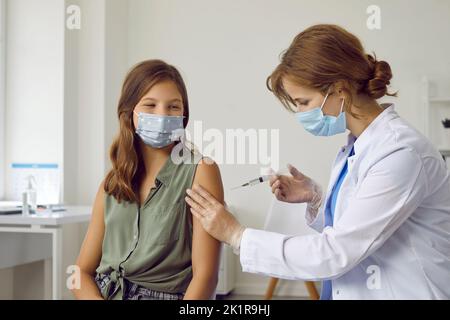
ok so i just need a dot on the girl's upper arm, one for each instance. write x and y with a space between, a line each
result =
91 249
206 249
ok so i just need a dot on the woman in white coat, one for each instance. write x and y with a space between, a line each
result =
384 221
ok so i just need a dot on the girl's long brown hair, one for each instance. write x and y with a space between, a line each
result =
327 55
127 164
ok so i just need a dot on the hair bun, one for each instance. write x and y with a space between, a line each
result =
377 86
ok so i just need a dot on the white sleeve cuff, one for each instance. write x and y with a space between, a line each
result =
261 253
314 218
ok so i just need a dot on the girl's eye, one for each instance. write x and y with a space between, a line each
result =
175 107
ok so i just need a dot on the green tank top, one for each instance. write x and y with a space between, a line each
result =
151 245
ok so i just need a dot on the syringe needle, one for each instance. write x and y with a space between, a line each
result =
244 185
260 179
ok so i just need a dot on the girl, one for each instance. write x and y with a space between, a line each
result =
142 243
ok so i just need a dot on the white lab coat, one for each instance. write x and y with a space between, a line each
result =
391 233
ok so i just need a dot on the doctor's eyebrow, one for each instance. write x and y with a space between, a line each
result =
301 101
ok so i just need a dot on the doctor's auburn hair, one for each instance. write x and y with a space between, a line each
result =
327 55
122 181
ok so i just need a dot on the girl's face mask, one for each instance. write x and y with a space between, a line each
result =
159 131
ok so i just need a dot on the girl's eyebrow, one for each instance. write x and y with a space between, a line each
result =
148 99
153 99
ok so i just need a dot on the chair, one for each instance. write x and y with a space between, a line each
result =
288 218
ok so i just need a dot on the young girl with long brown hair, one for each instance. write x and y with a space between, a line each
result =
142 242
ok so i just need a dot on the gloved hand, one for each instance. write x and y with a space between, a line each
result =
214 217
297 188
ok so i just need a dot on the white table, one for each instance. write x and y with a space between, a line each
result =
16 252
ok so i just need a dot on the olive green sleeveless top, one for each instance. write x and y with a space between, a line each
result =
151 245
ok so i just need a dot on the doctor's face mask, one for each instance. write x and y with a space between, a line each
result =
318 124
310 105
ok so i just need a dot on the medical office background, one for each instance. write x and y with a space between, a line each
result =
60 86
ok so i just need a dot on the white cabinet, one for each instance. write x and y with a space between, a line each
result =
226 271
227 265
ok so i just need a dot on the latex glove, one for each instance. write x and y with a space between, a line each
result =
296 188
214 217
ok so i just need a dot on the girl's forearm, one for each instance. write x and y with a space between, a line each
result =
201 288
88 288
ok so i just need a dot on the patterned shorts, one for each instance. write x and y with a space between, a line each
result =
133 291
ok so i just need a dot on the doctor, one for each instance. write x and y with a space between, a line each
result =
384 222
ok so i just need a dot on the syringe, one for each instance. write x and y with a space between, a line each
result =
253 182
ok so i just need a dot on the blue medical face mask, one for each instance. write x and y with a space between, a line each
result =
318 124
159 131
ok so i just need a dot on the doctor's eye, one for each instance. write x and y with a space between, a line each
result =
301 102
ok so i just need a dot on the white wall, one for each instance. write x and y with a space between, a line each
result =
95 65
34 77
226 49
34 104
59 82
84 104
6 275
2 95
116 66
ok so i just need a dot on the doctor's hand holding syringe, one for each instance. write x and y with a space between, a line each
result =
296 188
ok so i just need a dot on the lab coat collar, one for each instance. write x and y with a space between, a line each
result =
359 145
367 136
